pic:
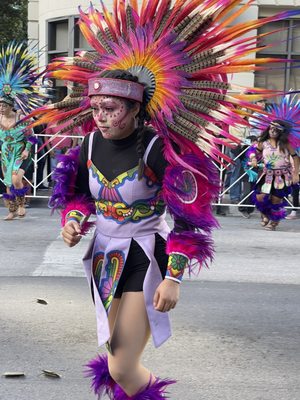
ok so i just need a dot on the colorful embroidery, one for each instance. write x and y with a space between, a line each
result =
113 270
176 265
111 205
97 266
122 213
109 189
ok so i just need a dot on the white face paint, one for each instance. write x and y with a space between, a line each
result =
112 116
275 130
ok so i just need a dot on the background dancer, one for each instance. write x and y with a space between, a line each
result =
19 94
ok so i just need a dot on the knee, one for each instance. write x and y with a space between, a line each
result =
118 371
16 181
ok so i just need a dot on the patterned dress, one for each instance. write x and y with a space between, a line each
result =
14 142
126 209
277 172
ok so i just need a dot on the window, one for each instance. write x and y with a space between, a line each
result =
286 44
64 40
79 40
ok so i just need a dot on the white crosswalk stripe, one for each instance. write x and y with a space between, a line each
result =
60 260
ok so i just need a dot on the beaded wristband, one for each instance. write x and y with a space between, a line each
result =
75 215
177 263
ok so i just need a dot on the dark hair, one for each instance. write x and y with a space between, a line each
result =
252 138
142 115
282 138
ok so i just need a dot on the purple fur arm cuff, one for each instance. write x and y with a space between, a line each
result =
195 246
79 205
189 195
64 175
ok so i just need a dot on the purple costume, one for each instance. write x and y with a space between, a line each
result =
121 217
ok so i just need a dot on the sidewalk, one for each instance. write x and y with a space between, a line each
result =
231 341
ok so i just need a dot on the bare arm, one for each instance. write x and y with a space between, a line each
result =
296 163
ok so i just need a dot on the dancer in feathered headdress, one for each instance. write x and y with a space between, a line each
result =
278 143
19 95
165 64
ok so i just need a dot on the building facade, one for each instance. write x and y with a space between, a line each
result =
52 26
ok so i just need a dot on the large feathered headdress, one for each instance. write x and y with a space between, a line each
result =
181 51
18 78
287 111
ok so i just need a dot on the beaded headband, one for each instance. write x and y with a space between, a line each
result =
116 87
7 100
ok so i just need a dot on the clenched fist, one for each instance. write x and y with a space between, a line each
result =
71 233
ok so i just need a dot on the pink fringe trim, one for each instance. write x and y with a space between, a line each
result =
83 204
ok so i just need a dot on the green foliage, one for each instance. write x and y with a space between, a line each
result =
13 20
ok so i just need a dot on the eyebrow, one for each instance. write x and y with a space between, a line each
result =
105 101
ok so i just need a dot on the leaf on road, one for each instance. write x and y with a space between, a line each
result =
41 301
14 374
51 374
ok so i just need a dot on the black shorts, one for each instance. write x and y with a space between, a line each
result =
280 193
137 264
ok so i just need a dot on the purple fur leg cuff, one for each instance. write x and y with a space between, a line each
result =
9 197
102 383
156 391
275 212
262 206
19 192
278 212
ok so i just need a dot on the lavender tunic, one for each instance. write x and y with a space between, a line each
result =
126 209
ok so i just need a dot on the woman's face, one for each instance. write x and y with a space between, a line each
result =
5 108
275 130
113 117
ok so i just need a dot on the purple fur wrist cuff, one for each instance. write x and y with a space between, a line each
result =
253 150
32 139
193 245
82 204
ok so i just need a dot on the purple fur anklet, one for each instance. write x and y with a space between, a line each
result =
155 391
102 383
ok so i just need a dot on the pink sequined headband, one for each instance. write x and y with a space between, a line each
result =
116 87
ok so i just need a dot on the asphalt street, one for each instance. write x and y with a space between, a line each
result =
236 327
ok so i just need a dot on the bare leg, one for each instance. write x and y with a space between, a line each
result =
130 333
17 180
11 204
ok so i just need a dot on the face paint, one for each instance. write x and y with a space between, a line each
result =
112 117
275 130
